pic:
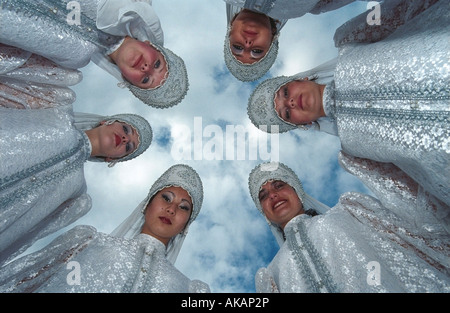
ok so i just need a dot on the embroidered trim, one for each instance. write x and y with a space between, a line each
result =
36 182
325 280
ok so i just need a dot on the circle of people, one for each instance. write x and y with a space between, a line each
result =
391 116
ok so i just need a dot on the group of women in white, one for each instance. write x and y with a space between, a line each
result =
391 115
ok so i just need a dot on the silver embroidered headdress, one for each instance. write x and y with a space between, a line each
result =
173 89
270 171
179 175
249 72
86 121
261 103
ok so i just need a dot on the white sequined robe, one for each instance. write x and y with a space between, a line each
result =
29 81
390 100
42 183
391 244
102 26
102 262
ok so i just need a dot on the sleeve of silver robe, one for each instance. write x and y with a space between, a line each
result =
391 99
42 184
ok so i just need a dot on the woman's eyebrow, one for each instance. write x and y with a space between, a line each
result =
261 191
280 92
133 131
187 201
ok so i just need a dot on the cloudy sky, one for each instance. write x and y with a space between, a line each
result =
229 240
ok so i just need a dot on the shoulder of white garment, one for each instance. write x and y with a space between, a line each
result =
136 19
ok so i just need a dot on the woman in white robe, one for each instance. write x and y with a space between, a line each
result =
42 152
138 256
387 101
362 244
98 30
250 38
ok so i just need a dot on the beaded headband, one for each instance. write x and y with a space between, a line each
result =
184 176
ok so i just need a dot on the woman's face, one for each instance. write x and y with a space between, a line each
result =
280 202
250 36
140 63
116 140
299 102
167 213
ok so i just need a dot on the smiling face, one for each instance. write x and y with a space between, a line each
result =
115 140
250 36
140 63
280 202
299 102
167 213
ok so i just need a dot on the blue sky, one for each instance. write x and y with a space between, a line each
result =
229 240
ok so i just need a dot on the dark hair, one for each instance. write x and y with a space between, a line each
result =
311 212
273 26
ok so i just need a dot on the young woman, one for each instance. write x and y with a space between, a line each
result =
137 257
391 244
43 151
124 37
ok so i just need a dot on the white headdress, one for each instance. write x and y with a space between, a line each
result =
278 171
179 175
261 103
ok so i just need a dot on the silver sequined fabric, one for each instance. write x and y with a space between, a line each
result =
277 9
29 81
392 99
70 46
392 14
332 252
106 264
42 184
